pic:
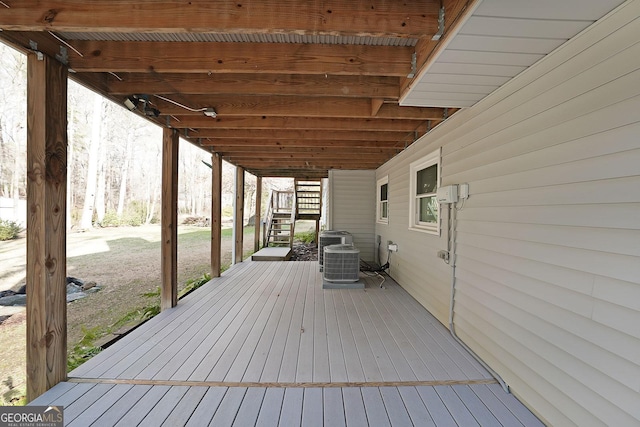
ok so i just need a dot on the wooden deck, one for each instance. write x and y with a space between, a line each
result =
265 345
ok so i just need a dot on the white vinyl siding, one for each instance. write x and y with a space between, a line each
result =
548 253
352 207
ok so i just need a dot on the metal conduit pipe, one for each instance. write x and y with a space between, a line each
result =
452 261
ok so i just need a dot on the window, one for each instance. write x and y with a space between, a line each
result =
425 179
383 200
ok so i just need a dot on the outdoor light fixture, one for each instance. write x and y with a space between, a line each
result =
131 103
210 112
150 111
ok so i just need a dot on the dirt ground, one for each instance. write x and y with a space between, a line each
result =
125 261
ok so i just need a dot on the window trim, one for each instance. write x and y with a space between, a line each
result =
379 219
430 159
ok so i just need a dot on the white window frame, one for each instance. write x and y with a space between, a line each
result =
415 167
379 218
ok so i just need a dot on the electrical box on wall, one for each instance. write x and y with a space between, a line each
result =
448 194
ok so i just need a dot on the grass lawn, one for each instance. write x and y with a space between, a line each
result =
126 262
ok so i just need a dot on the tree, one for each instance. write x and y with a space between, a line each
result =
92 169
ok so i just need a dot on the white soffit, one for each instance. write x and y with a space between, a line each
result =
498 41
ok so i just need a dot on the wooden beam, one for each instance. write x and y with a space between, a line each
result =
223 144
216 215
305 151
212 57
46 224
261 163
298 134
258 216
238 219
169 219
290 173
331 17
305 123
354 156
255 84
294 106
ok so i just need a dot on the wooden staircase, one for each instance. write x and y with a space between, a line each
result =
280 219
280 230
308 199
285 207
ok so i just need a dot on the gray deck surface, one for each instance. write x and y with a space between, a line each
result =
266 345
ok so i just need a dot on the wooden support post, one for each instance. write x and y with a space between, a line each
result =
46 224
216 215
238 218
169 219
258 217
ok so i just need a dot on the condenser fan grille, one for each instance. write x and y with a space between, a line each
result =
341 263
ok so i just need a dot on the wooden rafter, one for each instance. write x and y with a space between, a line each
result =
378 18
207 57
282 76
287 106
255 84
306 123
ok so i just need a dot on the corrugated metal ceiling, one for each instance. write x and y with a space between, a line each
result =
243 38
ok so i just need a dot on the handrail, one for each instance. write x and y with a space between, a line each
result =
279 202
268 221
292 227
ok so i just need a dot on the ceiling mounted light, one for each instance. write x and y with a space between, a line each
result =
210 112
131 102
150 111
134 101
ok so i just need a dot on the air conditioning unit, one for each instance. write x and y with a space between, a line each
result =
331 237
341 267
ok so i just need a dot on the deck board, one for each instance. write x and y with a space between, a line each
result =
271 368
395 407
333 407
457 408
121 407
272 407
265 345
250 407
365 352
304 373
78 414
416 408
354 411
142 407
208 406
291 412
182 411
124 404
374 407
254 367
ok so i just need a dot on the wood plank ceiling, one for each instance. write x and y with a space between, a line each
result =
299 87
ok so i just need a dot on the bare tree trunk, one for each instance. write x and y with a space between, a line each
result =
3 162
100 191
123 179
71 133
152 209
92 169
